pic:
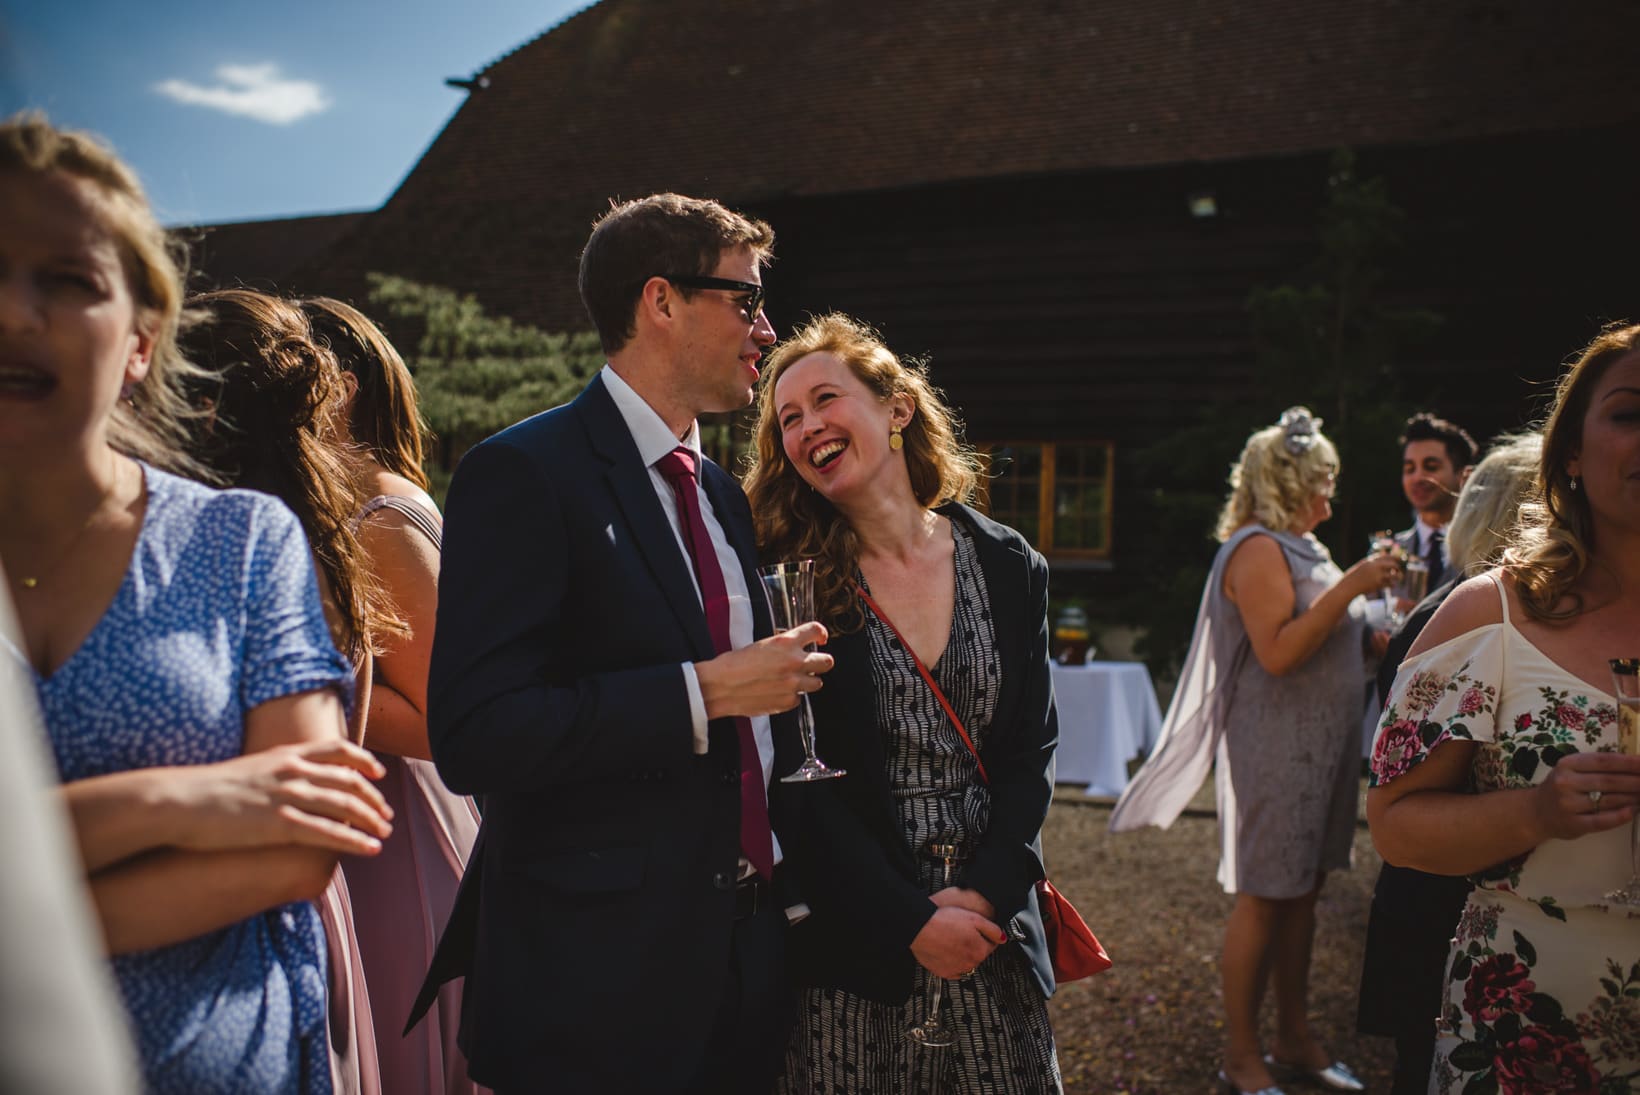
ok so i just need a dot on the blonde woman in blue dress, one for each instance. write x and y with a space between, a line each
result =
175 641
1497 757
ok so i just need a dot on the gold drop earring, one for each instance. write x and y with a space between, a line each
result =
895 441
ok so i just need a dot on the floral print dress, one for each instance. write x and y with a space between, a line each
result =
1542 988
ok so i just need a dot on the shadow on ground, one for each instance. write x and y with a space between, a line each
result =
1153 1023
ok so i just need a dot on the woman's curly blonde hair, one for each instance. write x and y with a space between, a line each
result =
795 521
1556 530
1281 470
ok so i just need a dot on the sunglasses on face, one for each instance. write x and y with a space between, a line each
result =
752 306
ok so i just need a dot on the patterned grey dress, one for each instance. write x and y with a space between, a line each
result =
1287 748
846 1045
1290 760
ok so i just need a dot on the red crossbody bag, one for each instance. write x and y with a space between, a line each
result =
1075 950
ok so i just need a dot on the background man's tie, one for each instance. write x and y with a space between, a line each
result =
1432 559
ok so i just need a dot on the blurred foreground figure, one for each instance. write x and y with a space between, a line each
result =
62 1032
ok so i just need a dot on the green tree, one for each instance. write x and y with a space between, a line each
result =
1327 340
477 373
1332 343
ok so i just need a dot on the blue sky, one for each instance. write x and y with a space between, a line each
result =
240 110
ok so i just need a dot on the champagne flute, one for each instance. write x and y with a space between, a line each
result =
1377 544
1412 586
790 587
932 1031
1626 690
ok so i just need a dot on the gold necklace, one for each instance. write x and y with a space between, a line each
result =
32 581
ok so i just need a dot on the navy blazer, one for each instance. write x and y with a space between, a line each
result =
600 896
856 871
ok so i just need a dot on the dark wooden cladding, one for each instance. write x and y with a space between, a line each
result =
1054 308
1095 306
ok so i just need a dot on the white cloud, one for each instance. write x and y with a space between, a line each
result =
253 91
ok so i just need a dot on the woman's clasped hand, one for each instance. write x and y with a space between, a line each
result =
317 793
957 938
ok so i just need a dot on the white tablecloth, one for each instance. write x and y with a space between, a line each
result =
1108 715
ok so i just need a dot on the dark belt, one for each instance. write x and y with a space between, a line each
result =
751 895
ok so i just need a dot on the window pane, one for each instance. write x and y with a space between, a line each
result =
1016 488
1081 492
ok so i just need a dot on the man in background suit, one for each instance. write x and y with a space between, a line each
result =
602 673
1436 457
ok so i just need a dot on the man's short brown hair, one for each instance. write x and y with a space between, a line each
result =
660 234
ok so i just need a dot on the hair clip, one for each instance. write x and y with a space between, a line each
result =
1301 430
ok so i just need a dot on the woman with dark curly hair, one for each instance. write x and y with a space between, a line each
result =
859 466
402 897
1499 757
275 398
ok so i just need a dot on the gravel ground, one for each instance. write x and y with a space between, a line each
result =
1153 1023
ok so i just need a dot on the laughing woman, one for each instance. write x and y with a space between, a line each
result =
859 467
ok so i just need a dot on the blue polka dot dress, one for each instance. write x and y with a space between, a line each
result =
219 612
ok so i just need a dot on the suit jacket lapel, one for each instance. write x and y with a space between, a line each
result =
634 492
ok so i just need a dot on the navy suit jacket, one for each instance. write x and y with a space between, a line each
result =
856 871
600 897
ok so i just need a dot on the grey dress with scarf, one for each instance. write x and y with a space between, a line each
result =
1287 748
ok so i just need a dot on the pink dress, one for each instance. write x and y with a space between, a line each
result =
351 1027
401 899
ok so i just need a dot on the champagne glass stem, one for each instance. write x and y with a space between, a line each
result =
936 985
805 728
935 999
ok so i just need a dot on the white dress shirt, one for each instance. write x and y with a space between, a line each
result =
654 440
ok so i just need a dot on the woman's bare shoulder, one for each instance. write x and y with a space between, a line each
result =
1474 604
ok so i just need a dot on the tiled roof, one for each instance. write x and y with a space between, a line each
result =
761 100
261 254
758 98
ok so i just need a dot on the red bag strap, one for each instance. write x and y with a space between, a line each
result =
916 661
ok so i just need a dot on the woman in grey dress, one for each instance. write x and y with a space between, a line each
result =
859 467
1272 688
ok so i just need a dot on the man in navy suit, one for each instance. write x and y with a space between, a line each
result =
1436 457
602 674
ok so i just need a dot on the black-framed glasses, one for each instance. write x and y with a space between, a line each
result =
753 304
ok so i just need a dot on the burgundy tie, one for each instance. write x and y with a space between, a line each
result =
756 839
